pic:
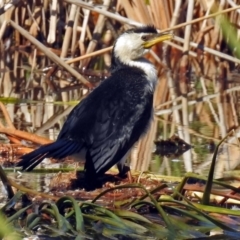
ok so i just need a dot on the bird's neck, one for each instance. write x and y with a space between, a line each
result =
142 63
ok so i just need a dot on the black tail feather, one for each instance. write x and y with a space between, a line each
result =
59 149
62 151
32 163
69 147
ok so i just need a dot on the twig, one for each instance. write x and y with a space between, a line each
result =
208 101
51 55
192 102
6 116
25 135
69 30
9 123
53 23
51 121
184 65
135 23
77 59
97 31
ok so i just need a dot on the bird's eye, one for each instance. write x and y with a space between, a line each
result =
144 37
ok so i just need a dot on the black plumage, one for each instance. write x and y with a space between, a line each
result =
108 122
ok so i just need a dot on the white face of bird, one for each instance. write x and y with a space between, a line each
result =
132 46
129 46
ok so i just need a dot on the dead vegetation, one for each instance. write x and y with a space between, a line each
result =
52 53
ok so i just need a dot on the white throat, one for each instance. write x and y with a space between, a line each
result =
129 53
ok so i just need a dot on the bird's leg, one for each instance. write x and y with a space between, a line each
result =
91 182
124 171
91 177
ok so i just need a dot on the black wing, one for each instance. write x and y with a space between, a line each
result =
111 119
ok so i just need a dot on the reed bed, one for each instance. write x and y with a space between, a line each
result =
198 71
53 53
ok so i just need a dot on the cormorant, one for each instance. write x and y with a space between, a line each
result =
111 119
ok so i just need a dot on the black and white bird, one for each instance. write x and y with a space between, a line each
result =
111 119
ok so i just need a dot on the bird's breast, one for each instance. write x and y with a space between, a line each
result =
151 74
149 70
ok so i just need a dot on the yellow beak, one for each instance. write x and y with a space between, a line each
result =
158 38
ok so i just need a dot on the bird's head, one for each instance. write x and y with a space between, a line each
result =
134 43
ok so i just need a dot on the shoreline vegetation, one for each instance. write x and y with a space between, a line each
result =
53 53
